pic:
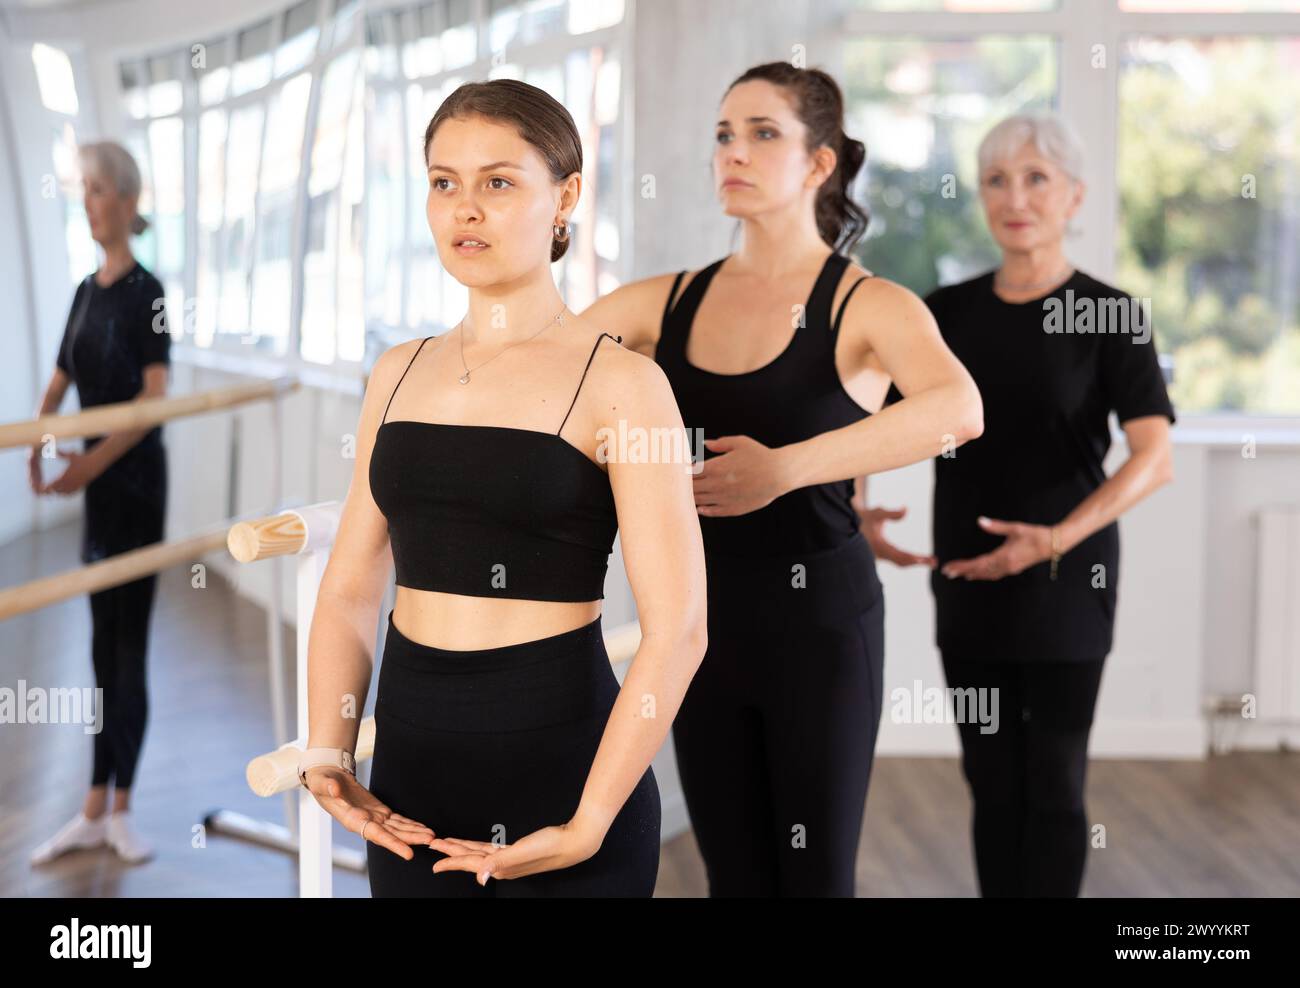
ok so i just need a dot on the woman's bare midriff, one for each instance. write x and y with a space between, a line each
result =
457 621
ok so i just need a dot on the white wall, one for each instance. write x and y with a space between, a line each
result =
17 356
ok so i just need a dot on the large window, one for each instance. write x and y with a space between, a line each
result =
268 121
1209 181
152 91
332 269
415 57
1187 112
58 89
921 107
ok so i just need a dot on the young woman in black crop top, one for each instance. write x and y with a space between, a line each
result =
504 746
777 353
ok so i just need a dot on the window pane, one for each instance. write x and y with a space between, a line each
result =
300 33
253 67
211 67
385 202
325 221
382 45
134 94
922 107
351 274
165 85
345 22
54 78
521 22
1209 165
460 37
421 52
590 92
167 145
281 162
241 186
212 184
589 15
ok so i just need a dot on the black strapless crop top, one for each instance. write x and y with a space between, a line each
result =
493 511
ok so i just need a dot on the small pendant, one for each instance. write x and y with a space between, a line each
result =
464 379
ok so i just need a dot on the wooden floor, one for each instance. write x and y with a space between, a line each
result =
1226 827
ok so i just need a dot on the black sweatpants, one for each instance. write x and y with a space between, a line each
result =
493 744
1027 778
125 509
776 734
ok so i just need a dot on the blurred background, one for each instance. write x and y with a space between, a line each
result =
280 146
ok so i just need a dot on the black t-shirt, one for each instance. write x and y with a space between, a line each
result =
111 335
1047 397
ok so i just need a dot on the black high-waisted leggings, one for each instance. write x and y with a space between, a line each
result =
125 509
776 734
494 744
1026 779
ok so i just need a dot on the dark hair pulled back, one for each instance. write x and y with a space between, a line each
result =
819 104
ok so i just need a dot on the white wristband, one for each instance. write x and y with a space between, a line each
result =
338 757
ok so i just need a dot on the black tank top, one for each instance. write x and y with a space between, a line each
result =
493 511
794 397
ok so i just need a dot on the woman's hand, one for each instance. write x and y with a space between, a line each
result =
548 849
354 806
1025 546
745 477
81 471
871 522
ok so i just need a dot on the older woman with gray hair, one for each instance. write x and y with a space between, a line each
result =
1026 543
115 348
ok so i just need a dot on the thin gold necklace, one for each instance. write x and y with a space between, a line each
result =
464 378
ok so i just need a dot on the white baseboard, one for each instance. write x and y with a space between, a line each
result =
1188 739
1254 735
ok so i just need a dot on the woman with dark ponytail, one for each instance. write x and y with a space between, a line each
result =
775 737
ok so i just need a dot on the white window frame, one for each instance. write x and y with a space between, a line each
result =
226 352
1076 26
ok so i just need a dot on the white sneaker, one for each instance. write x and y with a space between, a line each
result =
78 832
125 840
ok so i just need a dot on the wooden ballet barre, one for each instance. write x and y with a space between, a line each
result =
111 572
277 771
286 533
125 416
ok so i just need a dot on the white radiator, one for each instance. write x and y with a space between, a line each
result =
1277 625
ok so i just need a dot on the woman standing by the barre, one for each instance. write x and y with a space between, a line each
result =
505 747
777 353
115 348
1026 545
